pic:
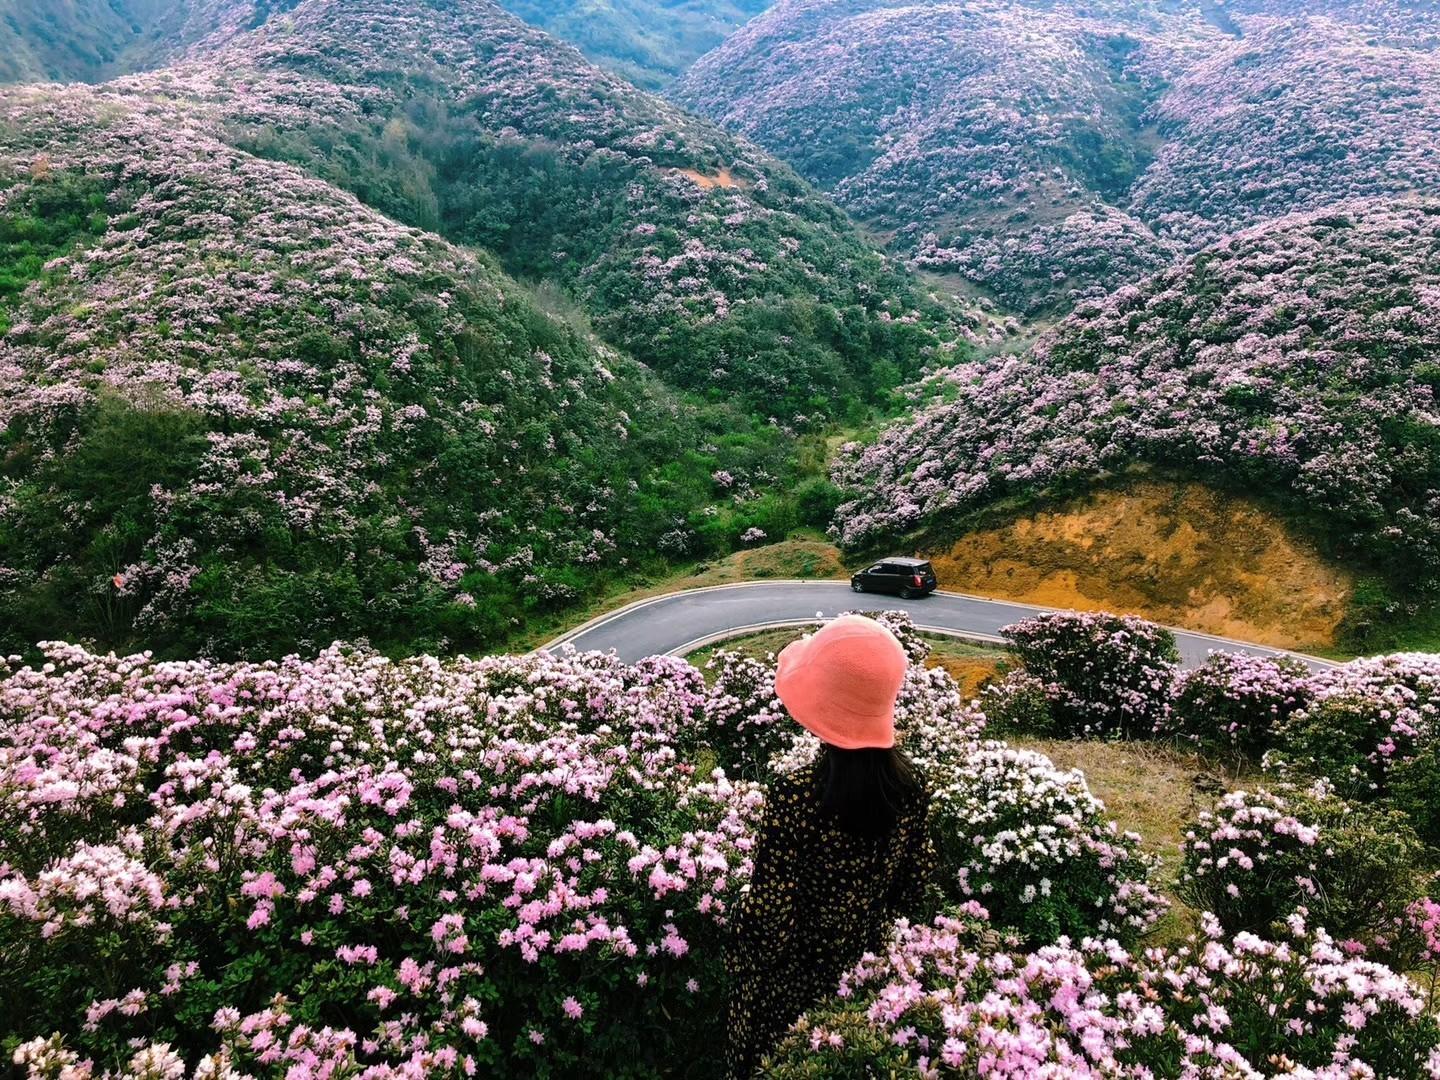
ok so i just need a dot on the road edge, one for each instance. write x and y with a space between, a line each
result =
637 605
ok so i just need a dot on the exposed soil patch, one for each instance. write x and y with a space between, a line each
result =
1181 554
722 179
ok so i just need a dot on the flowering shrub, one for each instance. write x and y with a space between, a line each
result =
499 864
948 999
1372 731
1017 703
1030 843
1234 701
1259 857
745 722
1102 674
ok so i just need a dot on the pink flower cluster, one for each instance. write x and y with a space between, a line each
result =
461 854
949 999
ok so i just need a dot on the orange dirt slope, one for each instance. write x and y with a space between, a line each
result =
1180 554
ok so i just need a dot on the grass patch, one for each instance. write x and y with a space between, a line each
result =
1154 790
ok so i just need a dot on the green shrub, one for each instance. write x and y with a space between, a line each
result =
1259 858
1103 675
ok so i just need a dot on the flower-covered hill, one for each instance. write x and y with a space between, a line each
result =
707 260
1050 152
1416 24
242 413
1296 115
996 139
1296 359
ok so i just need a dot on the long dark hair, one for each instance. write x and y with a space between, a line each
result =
864 791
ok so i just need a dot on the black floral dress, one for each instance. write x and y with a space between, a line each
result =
819 899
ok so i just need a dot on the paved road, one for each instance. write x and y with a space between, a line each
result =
679 623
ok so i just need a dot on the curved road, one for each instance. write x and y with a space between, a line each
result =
679 623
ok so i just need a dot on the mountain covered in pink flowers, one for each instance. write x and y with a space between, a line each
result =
241 411
280 274
1046 153
1296 358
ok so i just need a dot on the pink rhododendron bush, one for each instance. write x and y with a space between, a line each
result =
352 862
1100 674
498 864
1357 870
527 865
954 999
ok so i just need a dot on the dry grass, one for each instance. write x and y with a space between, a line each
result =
1152 790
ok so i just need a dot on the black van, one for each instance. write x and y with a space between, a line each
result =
909 578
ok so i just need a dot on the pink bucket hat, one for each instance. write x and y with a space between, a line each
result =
842 681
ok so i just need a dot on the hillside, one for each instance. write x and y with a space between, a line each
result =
92 40
1295 359
1047 153
705 259
240 413
1296 115
648 42
991 139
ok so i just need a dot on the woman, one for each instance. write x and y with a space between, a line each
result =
843 847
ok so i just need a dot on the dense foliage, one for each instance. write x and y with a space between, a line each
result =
649 42
520 864
1052 152
706 260
1260 857
949 1000
1101 675
240 413
1033 846
1297 116
993 138
1235 702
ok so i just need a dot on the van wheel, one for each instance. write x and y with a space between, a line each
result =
908 594
855 586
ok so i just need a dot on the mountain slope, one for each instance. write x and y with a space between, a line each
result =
1296 115
91 40
710 262
1295 359
241 413
1049 152
993 139
648 42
